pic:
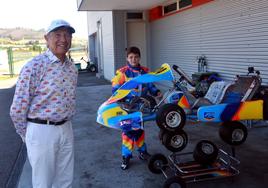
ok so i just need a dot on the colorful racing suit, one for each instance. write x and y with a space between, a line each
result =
130 138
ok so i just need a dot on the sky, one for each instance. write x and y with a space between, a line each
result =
37 14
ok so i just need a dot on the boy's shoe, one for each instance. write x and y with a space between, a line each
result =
144 156
125 163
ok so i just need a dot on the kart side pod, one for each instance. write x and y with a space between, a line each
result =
233 111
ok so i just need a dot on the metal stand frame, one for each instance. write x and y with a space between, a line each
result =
191 171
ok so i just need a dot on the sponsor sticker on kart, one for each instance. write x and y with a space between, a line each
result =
209 115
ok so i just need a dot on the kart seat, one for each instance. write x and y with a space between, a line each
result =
214 94
242 89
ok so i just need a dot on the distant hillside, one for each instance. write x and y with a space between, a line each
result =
22 33
23 36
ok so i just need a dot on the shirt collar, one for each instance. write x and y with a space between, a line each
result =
54 59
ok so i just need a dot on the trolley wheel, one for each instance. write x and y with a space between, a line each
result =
92 68
233 132
174 181
175 141
157 162
205 152
170 117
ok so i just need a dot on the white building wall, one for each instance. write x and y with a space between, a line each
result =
107 46
231 34
120 42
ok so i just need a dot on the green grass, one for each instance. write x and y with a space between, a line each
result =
23 55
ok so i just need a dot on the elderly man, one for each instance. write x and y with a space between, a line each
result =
43 105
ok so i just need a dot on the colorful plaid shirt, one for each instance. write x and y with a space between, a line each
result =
45 90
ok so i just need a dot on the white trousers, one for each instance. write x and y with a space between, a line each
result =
51 154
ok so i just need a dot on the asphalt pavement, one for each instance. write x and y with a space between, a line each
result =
12 151
98 156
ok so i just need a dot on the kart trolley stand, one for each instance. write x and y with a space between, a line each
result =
180 168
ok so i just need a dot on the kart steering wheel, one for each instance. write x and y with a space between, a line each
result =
183 75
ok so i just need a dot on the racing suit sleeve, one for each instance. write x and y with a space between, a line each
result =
118 80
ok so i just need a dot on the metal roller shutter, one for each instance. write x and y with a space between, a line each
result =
231 34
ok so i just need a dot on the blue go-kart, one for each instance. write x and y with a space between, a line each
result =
225 102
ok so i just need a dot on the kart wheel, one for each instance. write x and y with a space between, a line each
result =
170 117
233 132
92 68
147 104
175 181
175 141
157 162
205 152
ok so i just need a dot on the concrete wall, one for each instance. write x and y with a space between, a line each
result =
120 38
105 39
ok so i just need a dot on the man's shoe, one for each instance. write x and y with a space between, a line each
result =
125 163
144 156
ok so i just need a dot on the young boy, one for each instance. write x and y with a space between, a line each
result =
129 138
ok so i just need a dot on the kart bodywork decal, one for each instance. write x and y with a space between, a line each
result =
118 94
183 102
179 99
231 112
249 110
113 116
106 111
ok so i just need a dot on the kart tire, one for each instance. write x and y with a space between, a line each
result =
157 162
175 141
170 117
205 152
92 68
175 181
233 133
